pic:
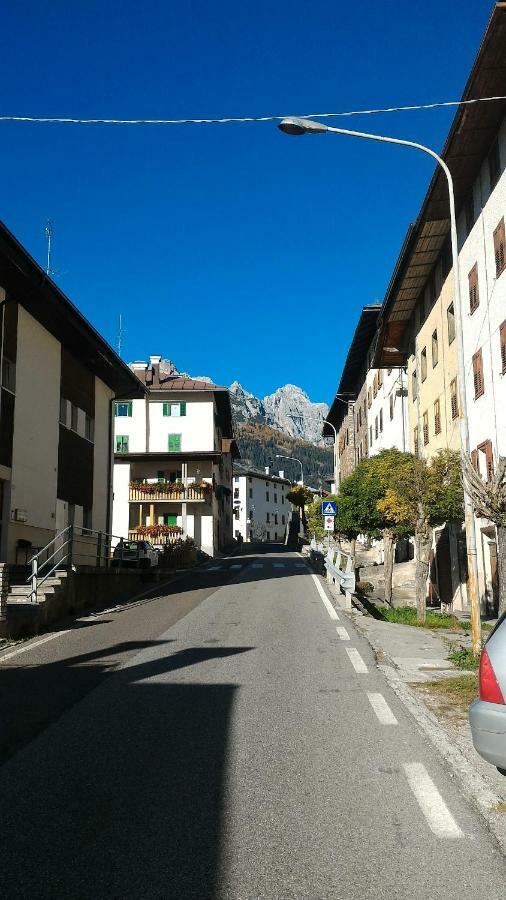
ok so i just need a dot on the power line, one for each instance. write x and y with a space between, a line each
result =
59 120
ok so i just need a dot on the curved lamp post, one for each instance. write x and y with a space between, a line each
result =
300 126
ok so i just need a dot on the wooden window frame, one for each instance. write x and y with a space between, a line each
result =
454 398
499 248
437 417
391 400
423 364
435 348
502 340
425 428
450 322
478 379
416 445
486 448
474 292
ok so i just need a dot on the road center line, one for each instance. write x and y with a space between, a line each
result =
26 647
343 634
257 566
279 565
430 801
382 709
328 605
356 661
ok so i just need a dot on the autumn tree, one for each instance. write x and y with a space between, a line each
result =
489 501
419 496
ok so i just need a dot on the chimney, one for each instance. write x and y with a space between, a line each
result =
267 470
281 473
155 360
153 370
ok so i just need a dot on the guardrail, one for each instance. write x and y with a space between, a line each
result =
338 565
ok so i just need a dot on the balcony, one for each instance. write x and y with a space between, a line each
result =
159 535
176 491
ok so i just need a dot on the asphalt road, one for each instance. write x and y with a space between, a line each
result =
226 741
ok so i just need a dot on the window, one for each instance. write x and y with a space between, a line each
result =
415 440
375 385
380 378
347 437
275 498
123 409
423 363
499 242
63 411
369 398
435 349
381 420
236 512
9 375
236 493
87 520
160 477
376 427
174 409
494 164
174 443
267 496
391 406
89 428
450 321
275 518
414 384
469 212
487 461
474 297
437 418
268 535
479 385
251 492
426 428
370 435
454 398
282 520
121 443
502 335
268 518
236 479
74 413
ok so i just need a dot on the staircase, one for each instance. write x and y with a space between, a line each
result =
25 615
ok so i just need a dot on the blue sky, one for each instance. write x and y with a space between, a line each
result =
234 250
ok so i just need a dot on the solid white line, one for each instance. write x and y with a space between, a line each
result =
26 647
328 605
382 709
430 801
356 661
343 634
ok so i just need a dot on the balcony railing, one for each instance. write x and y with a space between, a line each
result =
156 537
146 492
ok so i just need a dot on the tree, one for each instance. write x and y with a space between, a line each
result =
489 501
357 511
300 496
419 496
315 518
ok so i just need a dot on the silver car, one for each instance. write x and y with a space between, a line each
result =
487 715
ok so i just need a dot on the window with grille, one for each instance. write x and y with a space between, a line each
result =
415 440
454 398
502 336
391 406
414 384
450 319
437 418
494 164
423 363
499 241
479 385
426 428
435 349
474 296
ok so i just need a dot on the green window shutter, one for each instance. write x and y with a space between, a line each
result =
171 520
130 409
182 406
121 443
166 409
174 443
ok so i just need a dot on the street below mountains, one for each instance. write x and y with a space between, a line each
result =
228 737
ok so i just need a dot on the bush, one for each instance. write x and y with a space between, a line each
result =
364 587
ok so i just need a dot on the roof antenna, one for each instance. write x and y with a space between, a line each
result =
49 235
120 334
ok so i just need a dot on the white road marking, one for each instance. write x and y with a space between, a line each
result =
26 647
214 569
236 566
257 566
356 661
300 566
328 605
279 565
382 709
430 801
343 634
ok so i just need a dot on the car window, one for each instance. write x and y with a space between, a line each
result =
130 545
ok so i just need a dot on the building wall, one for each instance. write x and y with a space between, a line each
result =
361 426
196 427
102 457
346 444
387 417
252 491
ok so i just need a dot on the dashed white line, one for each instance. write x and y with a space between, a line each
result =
257 566
328 605
236 566
279 565
382 709
343 634
214 569
430 801
356 661
300 566
26 647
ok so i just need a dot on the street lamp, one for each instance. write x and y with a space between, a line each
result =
299 126
294 459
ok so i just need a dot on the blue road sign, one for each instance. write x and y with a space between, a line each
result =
329 508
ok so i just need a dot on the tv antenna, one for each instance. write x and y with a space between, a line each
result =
120 334
49 235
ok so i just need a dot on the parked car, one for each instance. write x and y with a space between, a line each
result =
487 715
137 553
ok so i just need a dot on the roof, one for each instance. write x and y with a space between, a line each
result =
470 137
256 473
158 375
26 283
361 341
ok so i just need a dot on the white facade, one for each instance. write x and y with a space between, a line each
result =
172 468
387 423
261 508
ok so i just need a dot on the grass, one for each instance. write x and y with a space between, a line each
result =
452 695
406 615
464 659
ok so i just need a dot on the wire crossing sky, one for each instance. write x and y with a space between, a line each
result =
237 252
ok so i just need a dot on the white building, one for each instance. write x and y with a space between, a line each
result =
387 415
261 508
59 378
173 453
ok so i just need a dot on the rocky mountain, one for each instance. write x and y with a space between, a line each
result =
259 443
288 410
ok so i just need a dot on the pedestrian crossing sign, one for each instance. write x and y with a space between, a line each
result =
329 508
